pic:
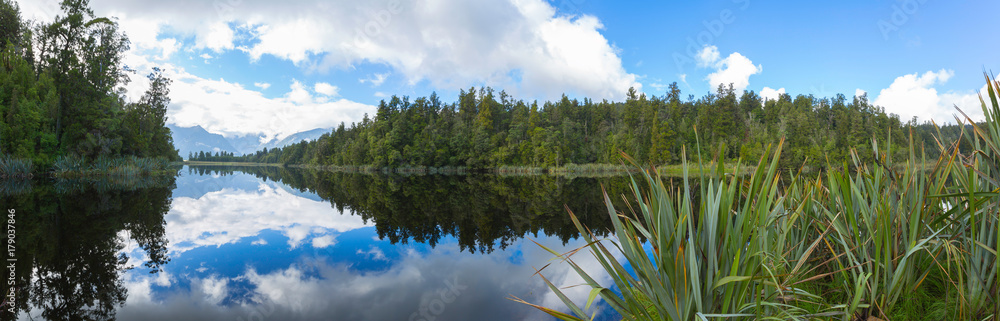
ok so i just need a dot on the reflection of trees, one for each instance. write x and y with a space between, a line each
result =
482 211
69 265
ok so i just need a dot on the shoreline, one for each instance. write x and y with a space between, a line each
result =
568 170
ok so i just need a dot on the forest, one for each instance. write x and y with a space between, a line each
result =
489 129
62 93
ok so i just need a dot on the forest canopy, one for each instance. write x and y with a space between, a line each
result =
489 129
62 90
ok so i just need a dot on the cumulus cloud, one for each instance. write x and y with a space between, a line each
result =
524 46
708 56
915 95
735 69
218 37
230 109
769 93
859 92
326 89
262 85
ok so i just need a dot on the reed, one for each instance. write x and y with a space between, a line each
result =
863 241
72 166
14 168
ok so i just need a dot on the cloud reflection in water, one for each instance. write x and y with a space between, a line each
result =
271 254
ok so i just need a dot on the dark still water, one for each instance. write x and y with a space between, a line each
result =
218 243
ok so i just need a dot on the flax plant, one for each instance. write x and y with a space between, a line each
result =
690 260
852 243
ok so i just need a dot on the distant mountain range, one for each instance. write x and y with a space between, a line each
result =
196 139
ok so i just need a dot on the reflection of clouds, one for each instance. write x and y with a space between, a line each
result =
318 290
374 254
313 288
229 215
214 289
324 241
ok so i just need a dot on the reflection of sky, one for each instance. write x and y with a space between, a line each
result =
245 249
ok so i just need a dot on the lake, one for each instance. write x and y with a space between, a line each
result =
270 243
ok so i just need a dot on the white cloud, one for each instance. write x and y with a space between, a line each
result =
769 93
376 79
380 94
167 47
326 89
205 56
218 37
298 94
262 85
230 109
708 56
523 46
735 69
859 92
915 95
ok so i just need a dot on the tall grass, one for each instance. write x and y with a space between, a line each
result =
73 166
15 168
869 240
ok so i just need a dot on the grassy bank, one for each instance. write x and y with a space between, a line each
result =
76 167
913 240
585 170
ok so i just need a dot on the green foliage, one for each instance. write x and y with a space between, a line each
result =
72 166
70 102
873 239
10 23
15 168
486 129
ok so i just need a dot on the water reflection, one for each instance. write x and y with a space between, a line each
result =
285 244
69 244
483 212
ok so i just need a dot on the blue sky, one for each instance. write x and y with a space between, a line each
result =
246 66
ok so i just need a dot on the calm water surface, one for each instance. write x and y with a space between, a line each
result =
217 243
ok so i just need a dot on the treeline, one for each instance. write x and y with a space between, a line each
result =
487 129
62 91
